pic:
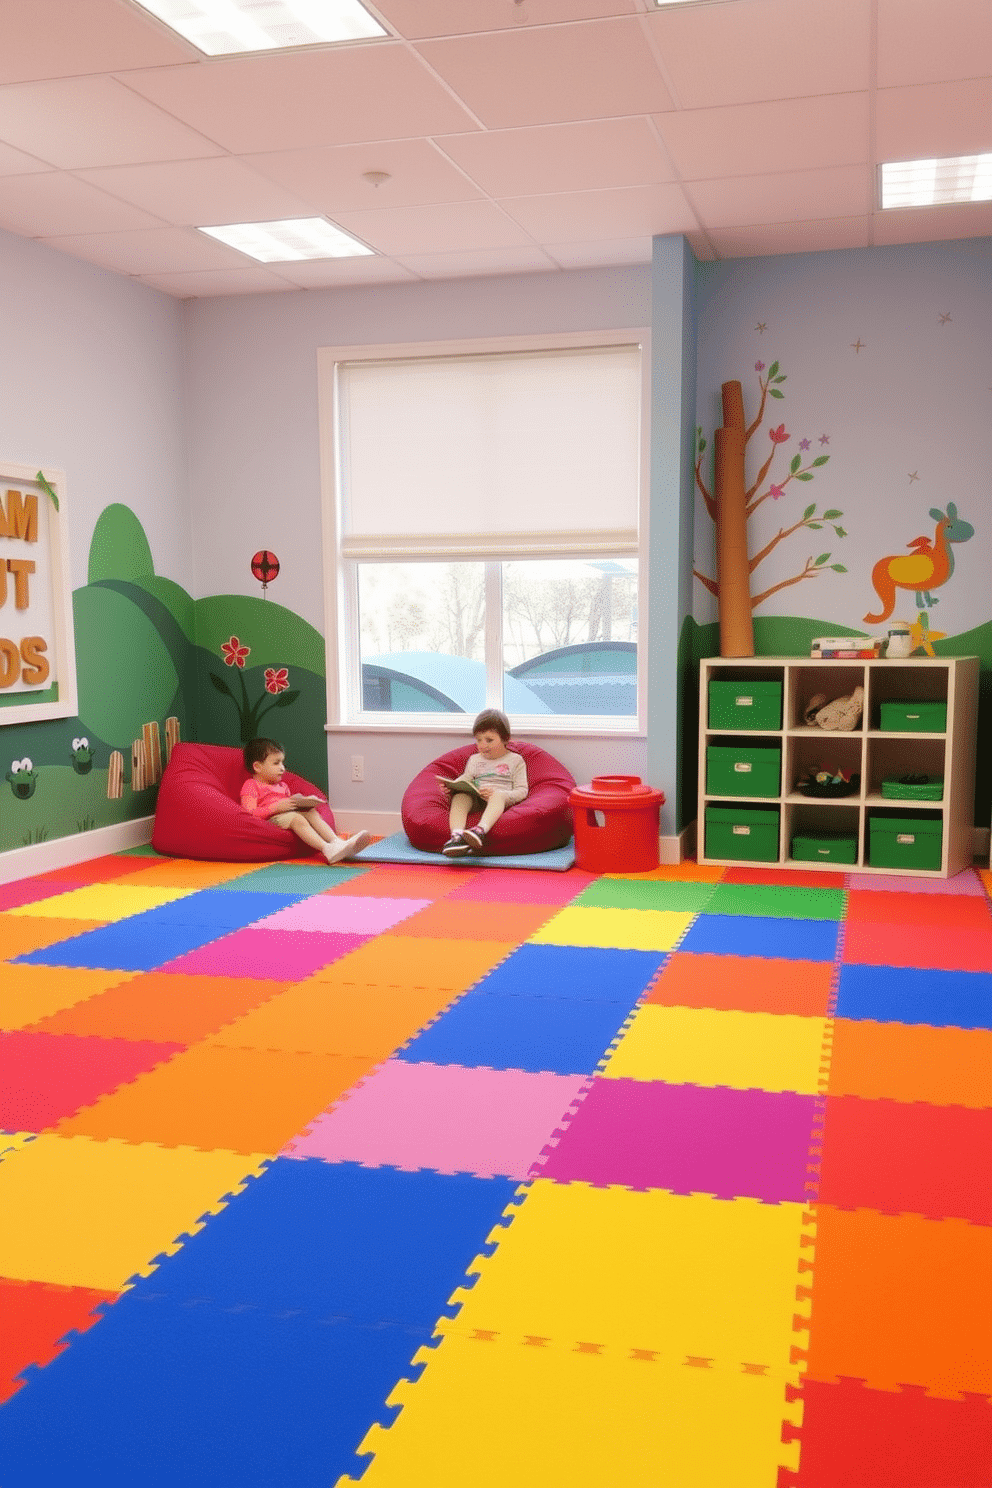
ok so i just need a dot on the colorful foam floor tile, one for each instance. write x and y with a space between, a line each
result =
157 1005
907 994
589 974
104 902
617 929
342 915
786 902
71 1226
29 994
966 882
186 873
127 945
670 894
413 961
767 937
492 1413
745 983
445 1117
949 949
520 886
300 879
728 1143
702 1046
382 880
461 920
526 1033
282 955
912 1062
24 937
44 1078
328 1018
36 1317
941 912
219 909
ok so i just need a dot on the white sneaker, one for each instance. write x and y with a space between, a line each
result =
346 849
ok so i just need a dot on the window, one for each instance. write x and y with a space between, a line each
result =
483 529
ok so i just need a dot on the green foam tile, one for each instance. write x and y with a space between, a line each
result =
771 902
617 893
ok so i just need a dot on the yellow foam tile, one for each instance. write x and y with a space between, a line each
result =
703 1046
11 1142
616 929
492 1413
105 902
675 1274
30 993
84 1213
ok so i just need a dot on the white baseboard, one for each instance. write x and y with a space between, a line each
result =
677 849
379 823
43 857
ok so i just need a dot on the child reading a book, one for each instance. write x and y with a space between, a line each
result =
266 795
493 778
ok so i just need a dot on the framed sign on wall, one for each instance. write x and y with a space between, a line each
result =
37 642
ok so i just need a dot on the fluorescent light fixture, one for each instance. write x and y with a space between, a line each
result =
286 242
223 27
931 183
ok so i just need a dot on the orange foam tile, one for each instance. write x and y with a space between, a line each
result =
464 920
686 872
22 933
399 961
952 911
163 1006
899 1299
745 983
237 1100
187 873
396 881
912 1062
29 994
327 1018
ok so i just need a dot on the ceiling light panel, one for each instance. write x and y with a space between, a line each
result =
222 28
289 241
930 183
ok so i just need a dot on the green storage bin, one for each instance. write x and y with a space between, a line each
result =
898 790
905 841
752 704
824 847
914 717
746 832
743 769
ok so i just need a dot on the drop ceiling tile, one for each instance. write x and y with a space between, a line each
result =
631 212
793 196
56 205
333 179
331 273
91 121
16 163
53 38
423 18
157 250
210 282
478 265
306 100
561 157
552 74
457 226
791 237
200 193
934 120
762 49
934 224
761 138
920 42
600 255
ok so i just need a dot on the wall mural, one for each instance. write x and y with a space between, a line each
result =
927 567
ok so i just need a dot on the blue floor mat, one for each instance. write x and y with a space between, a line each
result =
540 1034
397 849
585 974
906 994
747 935
224 909
126 946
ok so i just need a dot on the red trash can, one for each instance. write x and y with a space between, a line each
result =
616 824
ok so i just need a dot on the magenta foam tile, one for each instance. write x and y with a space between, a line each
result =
965 882
521 886
283 955
688 1139
31 890
445 1117
343 915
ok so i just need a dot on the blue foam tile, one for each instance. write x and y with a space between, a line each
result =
160 1393
551 1035
585 973
905 994
747 935
333 1240
128 945
223 909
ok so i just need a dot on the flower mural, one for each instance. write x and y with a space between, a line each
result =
277 691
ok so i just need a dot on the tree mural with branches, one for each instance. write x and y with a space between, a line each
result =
758 492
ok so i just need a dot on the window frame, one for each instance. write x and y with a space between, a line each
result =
341 607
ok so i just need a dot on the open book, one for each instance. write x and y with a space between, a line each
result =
462 786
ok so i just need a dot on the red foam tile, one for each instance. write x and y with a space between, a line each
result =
95 870
797 878
853 1437
520 886
45 1077
949 949
912 1159
943 911
744 984
36 1316
30 890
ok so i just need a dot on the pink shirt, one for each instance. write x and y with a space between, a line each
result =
264 800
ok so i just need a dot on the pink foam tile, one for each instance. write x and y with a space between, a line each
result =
965 882
344 916
283 955
31 890
521 886
445 1117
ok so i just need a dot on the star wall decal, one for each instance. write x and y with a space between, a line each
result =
824 438
762 326
859 345
804 444
944 317
913 476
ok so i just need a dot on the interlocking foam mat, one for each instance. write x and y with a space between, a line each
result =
404 1174
399 849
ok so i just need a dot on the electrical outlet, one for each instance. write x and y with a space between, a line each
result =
357 767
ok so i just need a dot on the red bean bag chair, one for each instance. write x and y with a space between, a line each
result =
199 812
537 824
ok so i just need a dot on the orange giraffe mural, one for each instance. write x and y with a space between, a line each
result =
929 565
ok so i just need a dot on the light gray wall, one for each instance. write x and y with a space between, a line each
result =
251 379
